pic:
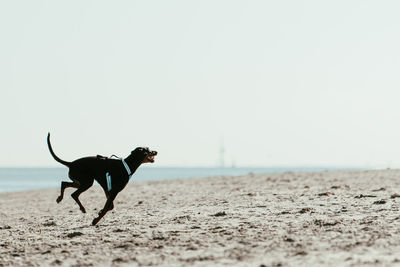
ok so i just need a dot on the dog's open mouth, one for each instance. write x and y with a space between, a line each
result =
150 156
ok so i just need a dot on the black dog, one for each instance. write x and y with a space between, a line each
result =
112 174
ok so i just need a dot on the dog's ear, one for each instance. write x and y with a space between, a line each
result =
136 150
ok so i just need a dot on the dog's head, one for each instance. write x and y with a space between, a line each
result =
145 154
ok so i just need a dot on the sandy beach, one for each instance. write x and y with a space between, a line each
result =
339 218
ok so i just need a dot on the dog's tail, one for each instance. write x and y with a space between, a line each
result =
54 155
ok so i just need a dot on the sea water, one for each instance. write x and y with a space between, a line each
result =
21 179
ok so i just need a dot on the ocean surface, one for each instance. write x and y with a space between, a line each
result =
21 179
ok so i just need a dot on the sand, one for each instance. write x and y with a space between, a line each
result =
343 218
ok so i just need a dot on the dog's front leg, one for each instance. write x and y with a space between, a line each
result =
107 196
106 208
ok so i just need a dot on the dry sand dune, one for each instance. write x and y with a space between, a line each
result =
346 218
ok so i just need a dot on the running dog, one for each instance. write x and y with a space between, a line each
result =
112 174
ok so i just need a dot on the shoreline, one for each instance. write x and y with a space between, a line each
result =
296 218
24 179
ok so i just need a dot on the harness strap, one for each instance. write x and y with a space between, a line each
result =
108 178
127 168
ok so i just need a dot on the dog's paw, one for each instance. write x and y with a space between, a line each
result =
95 221
59 199
83 210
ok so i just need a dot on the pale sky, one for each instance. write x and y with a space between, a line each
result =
280 83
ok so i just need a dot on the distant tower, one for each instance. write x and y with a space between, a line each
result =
222 154
233 163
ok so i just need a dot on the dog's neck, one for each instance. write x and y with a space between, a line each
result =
133 163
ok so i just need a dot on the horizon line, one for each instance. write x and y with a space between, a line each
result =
336 166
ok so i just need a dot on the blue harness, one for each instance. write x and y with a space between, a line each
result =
108 176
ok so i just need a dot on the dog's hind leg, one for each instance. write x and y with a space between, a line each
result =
81 189
65 185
